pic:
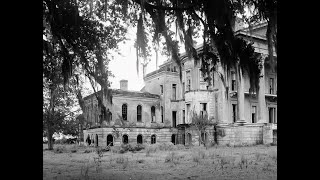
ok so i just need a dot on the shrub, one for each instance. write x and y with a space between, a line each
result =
167 146
224 161
115 149
60 149
120 160
202 154
170 157
140 161
243 161
196 158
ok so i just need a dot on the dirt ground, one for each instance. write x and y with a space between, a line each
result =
248 163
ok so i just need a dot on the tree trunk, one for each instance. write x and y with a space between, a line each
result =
50 142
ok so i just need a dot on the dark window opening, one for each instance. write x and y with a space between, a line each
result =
153 139
124 111
203 110
174 91
161 89
254 115
125 139
183 116
233 81
272 115
174 118
234 112
109 140
162 117
271 86
139 116
173 139
153 114
97 140
139 139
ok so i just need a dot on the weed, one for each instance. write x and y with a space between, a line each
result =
85 171
224 161
273 156
243 161
125 163
140 161
171 157
258 156
202 154
60 149
120 160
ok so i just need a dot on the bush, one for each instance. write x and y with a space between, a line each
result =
60 149
167 146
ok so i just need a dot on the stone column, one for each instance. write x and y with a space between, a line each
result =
240 96
222 99
262 108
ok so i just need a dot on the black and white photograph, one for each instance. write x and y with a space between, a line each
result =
159 89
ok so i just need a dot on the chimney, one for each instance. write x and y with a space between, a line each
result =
124 85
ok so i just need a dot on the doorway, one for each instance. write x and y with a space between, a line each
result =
109 140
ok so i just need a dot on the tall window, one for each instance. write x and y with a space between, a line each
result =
183 90
174 91
153 114
233 81
188 75
153 139
203 109
272 115
124 111
139 109
234 112
162 114
161 89
125 139
254 114
271 83
183 116
201 76
188 113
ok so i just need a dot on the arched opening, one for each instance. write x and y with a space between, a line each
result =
189 139
153 114
139 139
153 139
88 140
125 139
204 137
183 139
96 140
109 140
173 139
92 139
139 110
124 111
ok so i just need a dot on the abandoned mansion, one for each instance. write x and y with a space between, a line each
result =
161 111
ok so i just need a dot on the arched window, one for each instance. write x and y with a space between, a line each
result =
139 139
173 139
139 109
125 139
153 114
153 139
124 111
110 116
109 140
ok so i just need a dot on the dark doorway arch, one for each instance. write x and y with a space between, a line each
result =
88 140
173 139
153 139
189 137
109 140
139 139
96 140
125 139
